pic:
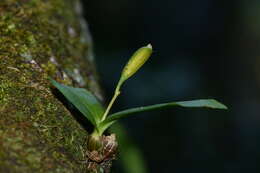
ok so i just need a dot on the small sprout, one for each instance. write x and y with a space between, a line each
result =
102 148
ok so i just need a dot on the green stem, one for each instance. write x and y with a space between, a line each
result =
116 94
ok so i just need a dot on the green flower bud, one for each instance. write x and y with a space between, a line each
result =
136 61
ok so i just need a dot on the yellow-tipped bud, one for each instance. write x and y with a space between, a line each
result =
136 61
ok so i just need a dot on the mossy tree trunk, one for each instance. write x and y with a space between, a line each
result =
38 39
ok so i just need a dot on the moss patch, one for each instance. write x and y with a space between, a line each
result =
40 38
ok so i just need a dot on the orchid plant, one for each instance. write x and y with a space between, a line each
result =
102 119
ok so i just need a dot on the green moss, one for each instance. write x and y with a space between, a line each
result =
40 38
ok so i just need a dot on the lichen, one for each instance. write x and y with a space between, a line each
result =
40 38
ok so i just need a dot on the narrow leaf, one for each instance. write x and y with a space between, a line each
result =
207 103
83 100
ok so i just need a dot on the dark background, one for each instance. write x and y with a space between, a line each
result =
202 49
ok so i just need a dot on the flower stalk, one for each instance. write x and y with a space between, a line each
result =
133 65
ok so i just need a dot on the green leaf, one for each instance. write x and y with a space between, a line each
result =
83 100
207 103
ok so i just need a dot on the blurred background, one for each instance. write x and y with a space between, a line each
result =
202 49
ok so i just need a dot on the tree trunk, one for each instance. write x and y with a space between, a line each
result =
41 39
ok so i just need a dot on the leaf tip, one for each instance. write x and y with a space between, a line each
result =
217 105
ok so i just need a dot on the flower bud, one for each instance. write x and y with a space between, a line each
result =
136 61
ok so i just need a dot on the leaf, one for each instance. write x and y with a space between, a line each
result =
207 103
83 100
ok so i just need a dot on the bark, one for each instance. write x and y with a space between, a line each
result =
38 39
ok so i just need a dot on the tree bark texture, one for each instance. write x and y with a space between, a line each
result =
41 39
